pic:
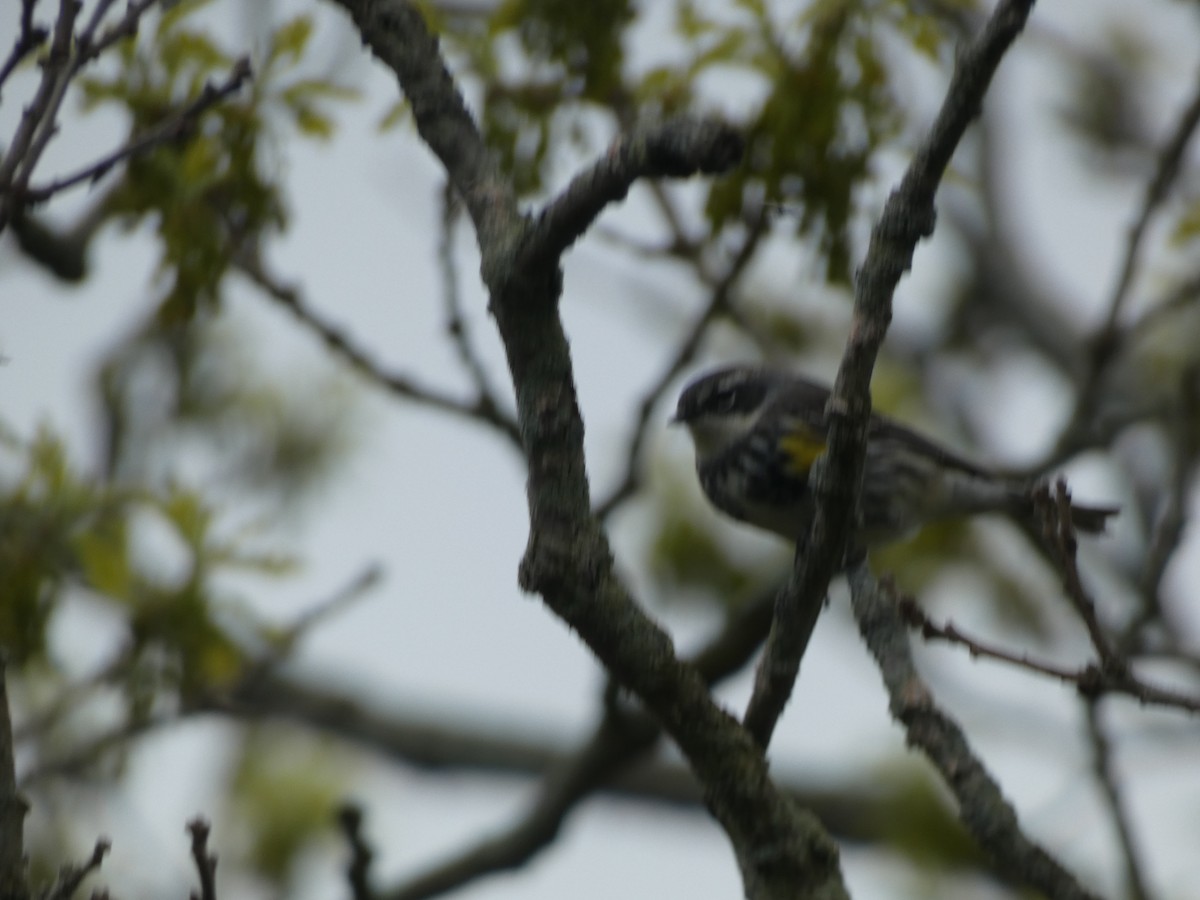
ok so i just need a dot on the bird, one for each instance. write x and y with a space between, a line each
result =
757 431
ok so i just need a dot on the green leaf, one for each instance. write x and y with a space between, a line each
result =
1187 227
104 556
290 40
190 516
393 116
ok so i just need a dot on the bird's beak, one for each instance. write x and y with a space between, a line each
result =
675 420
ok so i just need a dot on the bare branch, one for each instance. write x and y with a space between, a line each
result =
621 738
29 38
290 298
1055 516
176 126
1173 519
679 147
908 216
1166 171
718 303
983 808
69 53
397 35
358 871
456 324
1102 764
1090 680
13 806
71 877
37 123
206 863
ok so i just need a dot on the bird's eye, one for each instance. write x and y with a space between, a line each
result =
725 402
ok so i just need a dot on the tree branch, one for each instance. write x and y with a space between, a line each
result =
358 870
1102 764
1166 171
1092 681
983 808
677 148
70 877
29 38
173 127
482 409
907 217
69 53
206 863
718 303
13 806
781 850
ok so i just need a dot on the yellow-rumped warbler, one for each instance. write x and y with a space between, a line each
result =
758 431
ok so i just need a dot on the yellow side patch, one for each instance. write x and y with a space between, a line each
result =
802 448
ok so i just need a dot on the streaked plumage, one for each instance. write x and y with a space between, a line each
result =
757 431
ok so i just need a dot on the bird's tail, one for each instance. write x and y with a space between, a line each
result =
1091 519
1086 519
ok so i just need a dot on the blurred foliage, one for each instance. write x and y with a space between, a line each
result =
824 106
216 193
196 431
686 556
284 791
150 558
929 832
275 436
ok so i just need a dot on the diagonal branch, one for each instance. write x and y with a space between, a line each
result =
1102 763
983 808
908 216
621 738
1166 171
1092 681
718 303
676 148
175 126
483 409
29 38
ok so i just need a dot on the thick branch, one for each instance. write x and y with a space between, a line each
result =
781 850
907 217
984 809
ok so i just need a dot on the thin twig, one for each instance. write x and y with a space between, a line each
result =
1090 680
1166 171
29 38
718 303
206 863
1054 512
335 339
1173 519
456 325
358 870
71 877
1102 764
172 128
37 124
